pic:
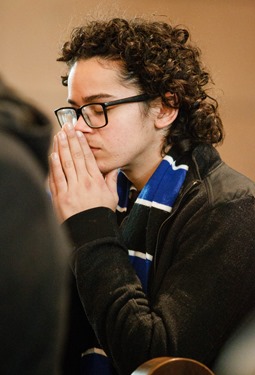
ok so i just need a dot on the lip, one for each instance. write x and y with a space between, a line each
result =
94 148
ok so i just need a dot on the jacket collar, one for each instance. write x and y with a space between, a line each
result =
201 160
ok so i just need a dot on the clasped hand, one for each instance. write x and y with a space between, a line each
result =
75 180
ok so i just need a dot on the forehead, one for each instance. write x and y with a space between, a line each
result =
95 71
96 77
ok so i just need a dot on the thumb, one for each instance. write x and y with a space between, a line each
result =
111 182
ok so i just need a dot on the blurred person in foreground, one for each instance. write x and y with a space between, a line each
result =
162 228
33 249
237 356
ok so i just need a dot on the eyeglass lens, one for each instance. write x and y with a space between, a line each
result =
67 115
93 115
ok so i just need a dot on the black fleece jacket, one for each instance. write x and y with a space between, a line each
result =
203 280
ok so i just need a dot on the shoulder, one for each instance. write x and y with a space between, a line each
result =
226 184
222 183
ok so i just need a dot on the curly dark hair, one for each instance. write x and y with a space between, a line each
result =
159 59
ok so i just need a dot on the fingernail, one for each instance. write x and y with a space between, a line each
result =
62 135
79 133
69 126
54 156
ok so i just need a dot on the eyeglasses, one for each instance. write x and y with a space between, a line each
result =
94 114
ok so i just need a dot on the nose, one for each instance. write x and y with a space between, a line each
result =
82 126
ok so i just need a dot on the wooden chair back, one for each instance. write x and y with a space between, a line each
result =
172 366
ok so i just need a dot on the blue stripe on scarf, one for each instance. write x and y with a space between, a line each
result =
164 185
123 189
93 363
141 263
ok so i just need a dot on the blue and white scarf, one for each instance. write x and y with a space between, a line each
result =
151 208
140 227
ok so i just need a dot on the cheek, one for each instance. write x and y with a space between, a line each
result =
127 136
127 140
121 134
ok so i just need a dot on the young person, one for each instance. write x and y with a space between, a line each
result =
172 273
33 249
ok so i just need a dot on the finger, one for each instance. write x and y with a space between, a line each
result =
111 182
76 149
90 161
66 157
57 179
51 182
55 144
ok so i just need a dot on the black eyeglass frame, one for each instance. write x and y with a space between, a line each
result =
78 111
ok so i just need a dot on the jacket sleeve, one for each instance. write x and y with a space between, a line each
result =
204 283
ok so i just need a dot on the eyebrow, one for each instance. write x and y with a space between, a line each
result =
91 98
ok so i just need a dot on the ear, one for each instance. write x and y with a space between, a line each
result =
166 115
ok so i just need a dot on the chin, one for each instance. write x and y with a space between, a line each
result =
105 170
105 167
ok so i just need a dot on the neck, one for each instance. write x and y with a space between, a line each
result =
139 178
